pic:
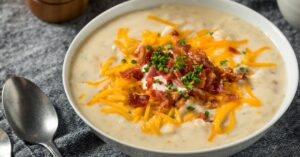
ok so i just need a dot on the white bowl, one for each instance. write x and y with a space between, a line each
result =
226 6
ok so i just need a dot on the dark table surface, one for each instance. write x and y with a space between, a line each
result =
35 50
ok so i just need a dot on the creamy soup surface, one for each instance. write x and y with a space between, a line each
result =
268 83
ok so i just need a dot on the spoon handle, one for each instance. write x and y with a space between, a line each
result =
52 148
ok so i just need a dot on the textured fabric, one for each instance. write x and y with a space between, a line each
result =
35 50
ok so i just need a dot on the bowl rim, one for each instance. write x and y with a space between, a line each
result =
291 86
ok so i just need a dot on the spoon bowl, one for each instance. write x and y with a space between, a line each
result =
29 112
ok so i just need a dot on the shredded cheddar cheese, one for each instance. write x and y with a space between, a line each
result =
155 18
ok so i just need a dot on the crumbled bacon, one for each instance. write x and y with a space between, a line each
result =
134 72
152 73
144 55
163 106
199 94
230 76
202 116
136 100
174 32
233 50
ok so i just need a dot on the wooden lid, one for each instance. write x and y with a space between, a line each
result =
57 10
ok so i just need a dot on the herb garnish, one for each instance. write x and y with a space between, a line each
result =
182 42
133 61
206 113
167 94
224 62
146 68
172 87
124 60
149 47
159 59
179 62
192 77
190 108
184 94
168 46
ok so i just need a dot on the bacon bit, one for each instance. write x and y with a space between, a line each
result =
169 77
233 50
136 100
163 106
199 94
230 76
177 73
178 82
134 72
170 63
144 55
174 32
152 73
202 116
186 48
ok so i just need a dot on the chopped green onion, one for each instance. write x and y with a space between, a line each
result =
179 62
168 46
172 87
146 69
190 108
182 42
149 47
206 113
184 95
124 60
198 68
224 62
133 61
166 70
167 94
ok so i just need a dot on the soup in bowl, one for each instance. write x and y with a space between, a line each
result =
187 78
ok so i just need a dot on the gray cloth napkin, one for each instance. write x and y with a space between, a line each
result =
35 50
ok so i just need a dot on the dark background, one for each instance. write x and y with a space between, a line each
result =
35 50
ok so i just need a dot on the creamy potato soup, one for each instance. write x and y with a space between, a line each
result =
178 78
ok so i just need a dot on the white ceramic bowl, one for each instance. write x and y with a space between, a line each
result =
226 6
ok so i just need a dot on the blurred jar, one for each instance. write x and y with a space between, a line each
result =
57 10
291 11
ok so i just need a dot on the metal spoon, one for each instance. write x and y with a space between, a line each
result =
30 113
5 146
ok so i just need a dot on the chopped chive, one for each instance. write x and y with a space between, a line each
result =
156 81
172 87
206 113
184 95
166 70
211 33
168 46
190 108
182 42
146 69
224 62
133 61
167 94
124 60
149 47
